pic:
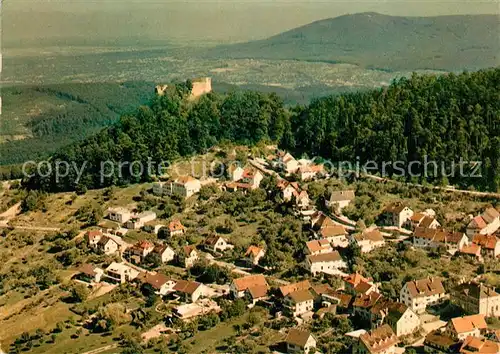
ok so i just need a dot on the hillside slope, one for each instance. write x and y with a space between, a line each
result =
387 42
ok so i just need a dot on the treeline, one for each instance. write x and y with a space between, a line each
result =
423 118
70 113
442 118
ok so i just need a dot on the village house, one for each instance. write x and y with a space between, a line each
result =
325 228
300 341
302 200
217 244
490 245
120 273
254 254
235 172
120 215
251 177
107 245
318 246
368 240
427 238
476 298
440 342
400 317
257 293
188 256
239 286
339 200
381 340
89 273
396 215
286 163
174 228
92 237
485 224
138 221
363 305
164 252
357 284
190 291
161 284
422 220
288 189
139 251
471 250
328 263
325 296
290 288
184 187
309 172
473 344
298 302
418 294
462 327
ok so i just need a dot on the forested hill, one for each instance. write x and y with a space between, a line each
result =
444 118
380 41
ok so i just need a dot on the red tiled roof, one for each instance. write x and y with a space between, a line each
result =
301 285
468 323
187 287
486 241
242 284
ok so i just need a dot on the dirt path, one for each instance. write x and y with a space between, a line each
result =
102 349
9 214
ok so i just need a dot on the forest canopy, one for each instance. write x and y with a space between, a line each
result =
441 118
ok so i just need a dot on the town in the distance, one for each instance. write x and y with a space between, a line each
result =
275 254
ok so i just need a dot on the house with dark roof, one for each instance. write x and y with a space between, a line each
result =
217 244
400 317
107 245
363 304
89 273
160 283
188 256
300 341
190 291
440 342
381 340
476 298
396 214
418 294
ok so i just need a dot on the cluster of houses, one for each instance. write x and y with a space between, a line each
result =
386 321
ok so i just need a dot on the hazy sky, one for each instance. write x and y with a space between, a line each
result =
29 21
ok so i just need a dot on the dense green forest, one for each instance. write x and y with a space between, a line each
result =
443 117
49 117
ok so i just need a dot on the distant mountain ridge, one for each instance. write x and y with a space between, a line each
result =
380 41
